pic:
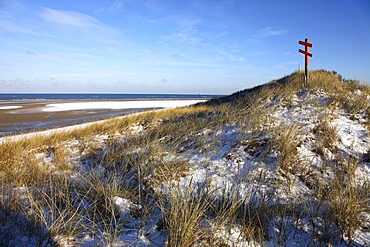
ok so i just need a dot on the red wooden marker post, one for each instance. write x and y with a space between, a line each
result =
306 53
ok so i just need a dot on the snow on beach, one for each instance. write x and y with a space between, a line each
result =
10 107
118 105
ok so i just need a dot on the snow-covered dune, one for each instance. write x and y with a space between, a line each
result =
286 167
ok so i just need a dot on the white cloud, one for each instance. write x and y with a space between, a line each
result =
184 32
226 4
267 32
160 42
68 17
10 26
116 5
76 19
228 56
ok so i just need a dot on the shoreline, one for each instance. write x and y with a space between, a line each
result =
22 117
40 133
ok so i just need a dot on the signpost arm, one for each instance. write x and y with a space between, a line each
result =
307 54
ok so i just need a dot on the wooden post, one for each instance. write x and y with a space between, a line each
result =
307 54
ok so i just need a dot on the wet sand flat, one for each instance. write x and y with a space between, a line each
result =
29 116
32 115
33 111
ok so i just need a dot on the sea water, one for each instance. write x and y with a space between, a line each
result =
42 96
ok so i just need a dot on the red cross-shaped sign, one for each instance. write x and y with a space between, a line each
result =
307 47
307 54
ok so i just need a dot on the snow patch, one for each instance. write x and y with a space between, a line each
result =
10 107
119 105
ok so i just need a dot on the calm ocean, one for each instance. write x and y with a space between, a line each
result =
26 96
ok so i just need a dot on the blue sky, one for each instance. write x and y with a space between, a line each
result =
171 46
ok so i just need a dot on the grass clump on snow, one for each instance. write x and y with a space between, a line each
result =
273 165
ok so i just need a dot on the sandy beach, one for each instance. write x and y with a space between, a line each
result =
32 115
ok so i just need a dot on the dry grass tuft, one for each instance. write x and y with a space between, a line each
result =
184 215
